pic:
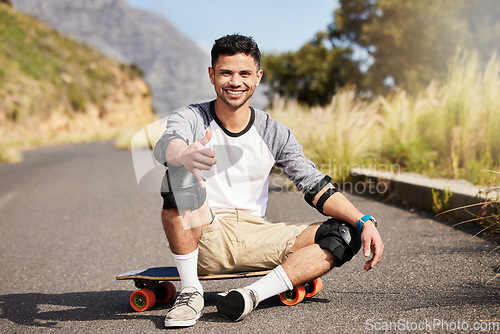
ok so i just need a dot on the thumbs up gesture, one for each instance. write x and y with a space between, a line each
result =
197 157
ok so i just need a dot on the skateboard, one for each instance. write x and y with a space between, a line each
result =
155 287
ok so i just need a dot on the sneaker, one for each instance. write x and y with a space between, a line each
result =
187 308
236 304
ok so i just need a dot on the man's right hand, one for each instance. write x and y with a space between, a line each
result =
195 157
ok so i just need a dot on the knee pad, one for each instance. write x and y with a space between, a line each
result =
340 238
181 190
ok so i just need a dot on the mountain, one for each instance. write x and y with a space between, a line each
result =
54 89
174 67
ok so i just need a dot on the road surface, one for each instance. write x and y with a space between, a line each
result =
73 217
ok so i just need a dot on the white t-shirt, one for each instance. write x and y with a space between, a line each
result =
240 178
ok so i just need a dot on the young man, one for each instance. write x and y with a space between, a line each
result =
219 155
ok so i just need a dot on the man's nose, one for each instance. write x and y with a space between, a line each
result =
235 80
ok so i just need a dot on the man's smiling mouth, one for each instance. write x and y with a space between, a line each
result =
234 93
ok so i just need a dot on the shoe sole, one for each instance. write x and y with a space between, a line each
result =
231 306
182 323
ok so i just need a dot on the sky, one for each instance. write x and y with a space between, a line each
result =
277 26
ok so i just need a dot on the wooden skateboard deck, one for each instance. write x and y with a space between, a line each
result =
171 274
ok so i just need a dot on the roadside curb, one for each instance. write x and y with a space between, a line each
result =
416 191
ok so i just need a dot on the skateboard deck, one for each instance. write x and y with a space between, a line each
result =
171 274
155 287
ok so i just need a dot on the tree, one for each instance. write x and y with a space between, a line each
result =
412 42
407 45
312 74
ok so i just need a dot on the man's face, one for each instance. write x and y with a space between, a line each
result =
235 78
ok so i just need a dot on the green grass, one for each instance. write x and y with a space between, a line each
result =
55 90
34 55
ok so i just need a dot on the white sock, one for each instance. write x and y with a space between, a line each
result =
274 283
187 265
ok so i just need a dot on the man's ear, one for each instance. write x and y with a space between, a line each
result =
260 73
211 74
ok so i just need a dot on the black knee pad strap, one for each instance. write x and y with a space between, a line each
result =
181 190
340 238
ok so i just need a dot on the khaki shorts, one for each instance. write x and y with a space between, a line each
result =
240 241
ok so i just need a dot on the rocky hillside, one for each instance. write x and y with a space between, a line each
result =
174 67
51 86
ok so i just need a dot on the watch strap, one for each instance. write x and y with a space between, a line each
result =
364 219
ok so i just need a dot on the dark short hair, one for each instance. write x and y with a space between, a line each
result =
230 45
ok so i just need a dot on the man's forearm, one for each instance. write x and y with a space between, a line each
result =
172 152
339 207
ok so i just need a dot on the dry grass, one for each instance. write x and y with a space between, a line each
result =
341 134
449 130
61 129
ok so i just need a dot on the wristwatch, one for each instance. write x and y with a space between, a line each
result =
364 219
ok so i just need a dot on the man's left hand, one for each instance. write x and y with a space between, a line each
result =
372 243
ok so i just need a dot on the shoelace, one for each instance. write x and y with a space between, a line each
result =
184 298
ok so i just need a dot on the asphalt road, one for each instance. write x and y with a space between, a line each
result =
72 218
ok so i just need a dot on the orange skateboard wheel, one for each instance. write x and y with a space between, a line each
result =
165 292
314 287
142 299
293 297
